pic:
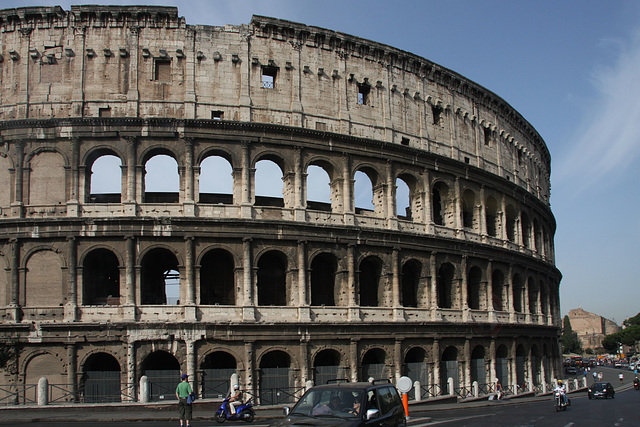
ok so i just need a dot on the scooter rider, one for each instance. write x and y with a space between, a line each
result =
562 391
636 383
235 399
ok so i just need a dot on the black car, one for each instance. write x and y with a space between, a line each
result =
601 390
348 405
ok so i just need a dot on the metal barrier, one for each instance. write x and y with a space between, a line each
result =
277 396
430 390
18 394
463 392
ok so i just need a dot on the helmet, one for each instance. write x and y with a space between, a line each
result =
560 382
236 386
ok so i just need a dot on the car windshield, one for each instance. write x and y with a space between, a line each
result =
329 403
599 386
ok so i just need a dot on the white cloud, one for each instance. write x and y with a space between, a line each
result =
608 141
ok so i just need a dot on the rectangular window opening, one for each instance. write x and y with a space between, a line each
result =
321 126
405 141
466 160
217 115
363 94
104 112
162 70
437 112
269 77
487 136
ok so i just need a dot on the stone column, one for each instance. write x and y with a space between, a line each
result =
466 312
396 292
189 282
304 313
457 206
348 182
131 370
427 203
492 361
490 309
133 94
352 303
305 374
482 212
72 378
435 357
504 234
249 379
70 309
467 363
15 280
513 369
248 312
434 306
246 201
391 213
73 202
130 273
299 194
397 359
353 359
191 363
18 202
188 203
510 305
131 196
527 307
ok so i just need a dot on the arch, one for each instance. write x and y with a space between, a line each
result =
269 185
160 277
498 288
318 187
100 278
403 199
5 177
45 364
468 209
534 294
162 177
217 278
544 298
449 369
445 285
415 365
491 216
371 291
215 180
536 364
537 236
518 294
414 205
100 380
364 190
5 289
217 368
474 292
326 366
374 365
276 378
411 271
441 204
511 216
47 178
520 366
478 365
105 184
44 285
526 230
324 267
272 279
502 365
163 372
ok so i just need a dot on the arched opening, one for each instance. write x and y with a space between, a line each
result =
410 283
101 278
498 288
520 366
511 223
100 381
403 199
468 209
536 365
526 230
449 369
445 287
363 192
518 294
370 289
537 233
161 180
326 366
533 296
217 281
215 182
415 365
474 288
215 380
502 365
374 366
318 188
323 273
440 200
163 372
160 277
106 176
478 368
544 298
272 283
491 216
46 179
276 381
269 184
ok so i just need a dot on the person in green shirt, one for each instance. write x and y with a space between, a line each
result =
182 392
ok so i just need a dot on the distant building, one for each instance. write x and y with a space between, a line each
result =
590 327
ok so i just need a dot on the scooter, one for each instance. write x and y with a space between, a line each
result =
559 403
636 384
244 412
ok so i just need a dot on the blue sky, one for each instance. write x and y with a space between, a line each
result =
570 68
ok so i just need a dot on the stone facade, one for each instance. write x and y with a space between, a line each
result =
591 328
279 290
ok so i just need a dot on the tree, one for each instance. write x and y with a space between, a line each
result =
9 352
570 341
635 320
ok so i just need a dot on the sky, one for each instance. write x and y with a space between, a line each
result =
569 67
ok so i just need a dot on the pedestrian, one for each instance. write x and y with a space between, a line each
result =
621 376
184 395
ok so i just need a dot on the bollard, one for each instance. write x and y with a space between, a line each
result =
417 391
476 389
43 391
144 389
308 385
452 391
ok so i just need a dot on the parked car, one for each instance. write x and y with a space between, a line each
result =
571 370
601 390
348 405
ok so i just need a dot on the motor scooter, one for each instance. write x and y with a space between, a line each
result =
244 412
636 384
559 403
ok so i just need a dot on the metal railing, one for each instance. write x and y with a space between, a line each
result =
18 394
280 395
430 390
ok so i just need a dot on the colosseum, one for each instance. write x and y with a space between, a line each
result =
451 281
